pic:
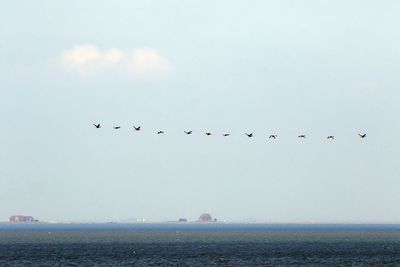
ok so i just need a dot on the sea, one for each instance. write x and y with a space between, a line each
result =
207 244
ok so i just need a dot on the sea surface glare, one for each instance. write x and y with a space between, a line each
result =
189 244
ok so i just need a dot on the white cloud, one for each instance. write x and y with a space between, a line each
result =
114 56
145 60
81 58
140 62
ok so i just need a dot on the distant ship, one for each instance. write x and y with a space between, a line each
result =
22 218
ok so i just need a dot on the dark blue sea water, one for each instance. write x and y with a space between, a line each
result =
198 245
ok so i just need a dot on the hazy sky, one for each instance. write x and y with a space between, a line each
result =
285 67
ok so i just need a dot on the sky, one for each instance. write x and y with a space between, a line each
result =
284 67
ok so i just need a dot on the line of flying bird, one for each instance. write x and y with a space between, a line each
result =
274 136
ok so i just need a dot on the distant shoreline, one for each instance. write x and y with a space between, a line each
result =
199 223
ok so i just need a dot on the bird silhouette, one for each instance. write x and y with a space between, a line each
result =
160 132
208 133
97 125
226 134
249 134
363 135
330 137
273 136
116 127
302 136
136 128
188 132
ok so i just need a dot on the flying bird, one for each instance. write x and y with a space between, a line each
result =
136 128
363 135
249 134
97 125
160 132
331 137
188 132
226 134
208 133
116 127
273 136
302 136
